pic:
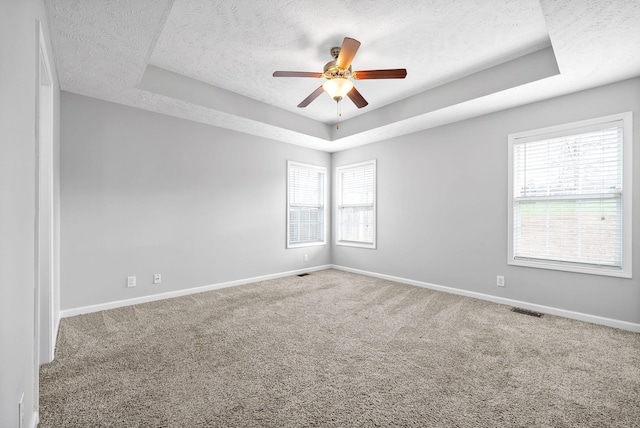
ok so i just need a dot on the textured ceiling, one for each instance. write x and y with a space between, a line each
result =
211 61
237 45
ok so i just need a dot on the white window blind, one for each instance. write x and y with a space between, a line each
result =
568 196
356 210
305 204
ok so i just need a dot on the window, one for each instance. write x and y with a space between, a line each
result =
306 216
570 197
356 195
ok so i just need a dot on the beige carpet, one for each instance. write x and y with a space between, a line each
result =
337 349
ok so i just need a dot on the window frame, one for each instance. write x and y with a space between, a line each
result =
338 180
323 169
627 159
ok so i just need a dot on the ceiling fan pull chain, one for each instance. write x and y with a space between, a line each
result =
338 115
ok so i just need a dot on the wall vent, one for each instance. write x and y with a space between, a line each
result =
526 312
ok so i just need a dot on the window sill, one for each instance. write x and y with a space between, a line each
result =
356 244
306 244
567 267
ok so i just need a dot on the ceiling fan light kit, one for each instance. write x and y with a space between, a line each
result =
337 88
338 72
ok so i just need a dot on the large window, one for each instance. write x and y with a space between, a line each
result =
306 216
570 197
356 205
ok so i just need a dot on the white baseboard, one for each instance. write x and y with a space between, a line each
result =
594 319
56 328
35 420
624 325
177 293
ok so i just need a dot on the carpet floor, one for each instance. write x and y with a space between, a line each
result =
337 349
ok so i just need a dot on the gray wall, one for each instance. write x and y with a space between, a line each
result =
17 203
144 193
442 208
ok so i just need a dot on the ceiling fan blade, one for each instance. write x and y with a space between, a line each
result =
315 94
357 98
395 73
347 52
296 74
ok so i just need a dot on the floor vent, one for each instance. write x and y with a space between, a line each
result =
526 312
303 274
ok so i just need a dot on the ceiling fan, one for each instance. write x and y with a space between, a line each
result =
338 72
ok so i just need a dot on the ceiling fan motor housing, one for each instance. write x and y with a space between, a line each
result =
331 70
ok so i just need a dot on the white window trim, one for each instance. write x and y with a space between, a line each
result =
372 245
627 161
324 219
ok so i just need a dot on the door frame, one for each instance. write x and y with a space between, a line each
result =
46 287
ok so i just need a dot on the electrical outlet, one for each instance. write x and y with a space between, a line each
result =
500 281
131 281
21 411
157 278
305 258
